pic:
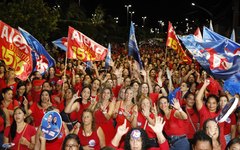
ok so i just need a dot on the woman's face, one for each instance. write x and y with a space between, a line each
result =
8 95
106 94
21 90
212 129
69 94
51 71
223 101
45 97
235 146
122 94
85 93
184 87
144 89
46 86
87 118
146 105
95 85
50 118
212 104
72 144
129 94
135 86
163 104
135 141
190 101
157 89
18 115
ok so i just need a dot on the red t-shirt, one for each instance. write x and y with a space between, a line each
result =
28 132
141 120
190 131
92 140
57 142
1 124
228 124
154 97
174 126
37 114
12 106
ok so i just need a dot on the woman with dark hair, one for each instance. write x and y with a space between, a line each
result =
38 109
137 138
71 117
103 113
8 104
209 109
234 144
2 71
52 78
91 137
20 133
175 123
193 120
95 90
212 129
72 142
21 92
79 106
10 81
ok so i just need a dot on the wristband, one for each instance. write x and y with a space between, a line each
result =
180 110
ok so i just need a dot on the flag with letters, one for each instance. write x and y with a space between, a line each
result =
83 48
15 51
133 47
173 42
42 60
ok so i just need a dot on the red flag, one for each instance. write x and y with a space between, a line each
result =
173 42
198 34
83 48
15 51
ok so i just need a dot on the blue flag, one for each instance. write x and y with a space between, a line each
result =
214 56
61 43
132 46
108 57
173 95
41 59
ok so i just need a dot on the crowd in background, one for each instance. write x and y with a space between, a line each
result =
122 106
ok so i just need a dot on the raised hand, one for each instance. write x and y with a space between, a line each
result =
176 104
159 124
123 129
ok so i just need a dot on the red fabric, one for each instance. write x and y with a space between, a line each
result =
154 97
86 140
57 142
37 114
227 125
206 114
28 133
73 115
106 125
78 87
13 87
172 124
195 120
116 90
12 106
179 97
141 119
35 95
1 124
82 107
120 117
53 80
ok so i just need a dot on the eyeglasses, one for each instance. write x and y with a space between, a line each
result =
71 146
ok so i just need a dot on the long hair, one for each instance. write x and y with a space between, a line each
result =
13 127
217 100
93 119
144 138
205 128
40 102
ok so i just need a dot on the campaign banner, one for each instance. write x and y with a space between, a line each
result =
83 48
51 125
173 42
15 51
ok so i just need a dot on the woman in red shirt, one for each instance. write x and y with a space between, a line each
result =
209 109
90 135
20 133
175 126
8 103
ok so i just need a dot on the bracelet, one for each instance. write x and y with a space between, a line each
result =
104 112
180 110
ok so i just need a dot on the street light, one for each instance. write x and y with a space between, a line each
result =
144 18
127 6
131 14
204 9
116 19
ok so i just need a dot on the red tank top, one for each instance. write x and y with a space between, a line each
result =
92 140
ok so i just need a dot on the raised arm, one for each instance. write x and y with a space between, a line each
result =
200 94
72 105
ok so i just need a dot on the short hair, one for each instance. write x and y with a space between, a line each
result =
201 136
71 136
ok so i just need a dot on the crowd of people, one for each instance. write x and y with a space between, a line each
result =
119 107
